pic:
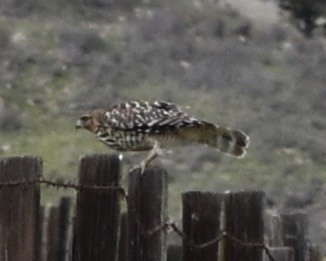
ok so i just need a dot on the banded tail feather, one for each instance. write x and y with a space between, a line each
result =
233 142
226 140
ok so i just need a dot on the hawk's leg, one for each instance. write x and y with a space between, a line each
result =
154 152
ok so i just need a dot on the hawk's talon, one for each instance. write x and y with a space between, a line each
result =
141 166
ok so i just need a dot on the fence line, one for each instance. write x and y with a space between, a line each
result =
59 184
104 184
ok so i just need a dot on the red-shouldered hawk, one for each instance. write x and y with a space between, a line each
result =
145 126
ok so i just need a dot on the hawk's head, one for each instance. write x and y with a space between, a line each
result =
84 122
87 122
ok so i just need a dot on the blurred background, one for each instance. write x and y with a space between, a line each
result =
255 65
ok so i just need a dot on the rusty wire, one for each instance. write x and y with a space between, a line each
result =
165 226
221 236
79 187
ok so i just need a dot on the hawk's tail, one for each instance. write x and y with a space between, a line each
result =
232 142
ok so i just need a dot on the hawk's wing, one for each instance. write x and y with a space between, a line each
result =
154 117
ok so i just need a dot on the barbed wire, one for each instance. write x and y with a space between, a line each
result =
164 227
79 187
222 235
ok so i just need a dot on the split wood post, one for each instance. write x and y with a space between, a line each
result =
201 224
65 206
280 254
243 224
175 253
147 205
52 237
57 237
19 208
295 228
97 209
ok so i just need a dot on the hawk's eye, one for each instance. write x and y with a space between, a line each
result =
84 118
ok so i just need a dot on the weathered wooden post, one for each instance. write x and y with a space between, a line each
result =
123 239
64 229
57 234
244 225
201 224
295 228
19 208
52 234
40 251
276 232
97 209
147 205
175 253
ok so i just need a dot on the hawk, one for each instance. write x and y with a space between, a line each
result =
145 126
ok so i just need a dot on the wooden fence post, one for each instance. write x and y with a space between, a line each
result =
57 235
295 227
19 208
276 232
40 238
280 254
243 223
123 238
175 253
147 205
97 210
65 206
201 224
52 234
